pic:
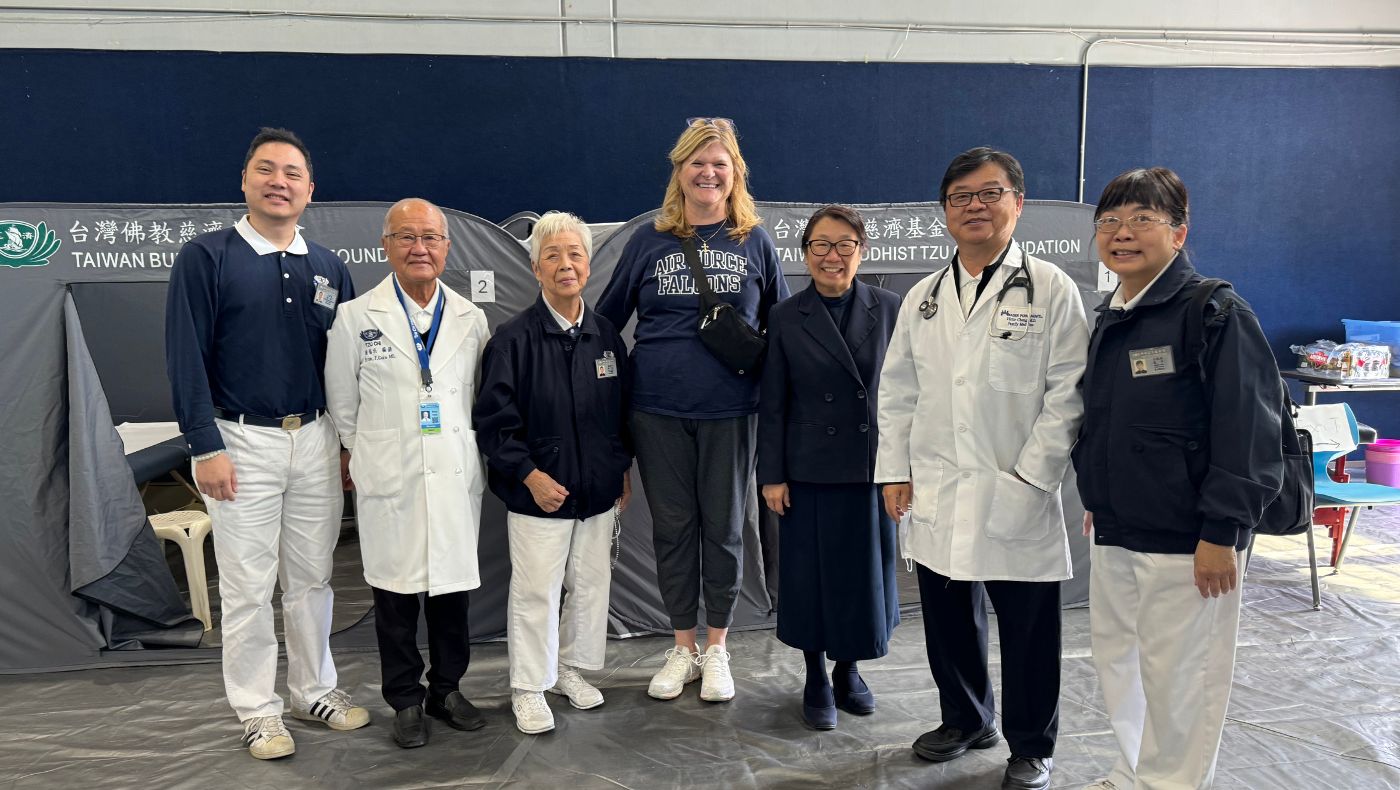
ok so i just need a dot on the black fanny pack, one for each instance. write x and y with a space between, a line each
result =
722 330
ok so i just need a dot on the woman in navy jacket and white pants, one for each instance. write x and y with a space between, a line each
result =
550 419
1178 455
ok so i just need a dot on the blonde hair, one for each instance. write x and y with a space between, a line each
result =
740 212
552 224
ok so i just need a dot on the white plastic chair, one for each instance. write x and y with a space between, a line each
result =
188 529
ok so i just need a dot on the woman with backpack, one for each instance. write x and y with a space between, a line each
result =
1178 456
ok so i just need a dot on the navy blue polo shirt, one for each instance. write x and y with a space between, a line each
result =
244 330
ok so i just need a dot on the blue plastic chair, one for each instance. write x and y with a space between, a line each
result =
1332 494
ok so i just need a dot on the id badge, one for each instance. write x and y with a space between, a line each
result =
1021 319
1155 361
606 366
429 418
326 296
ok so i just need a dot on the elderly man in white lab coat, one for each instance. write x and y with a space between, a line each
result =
978 410
401 370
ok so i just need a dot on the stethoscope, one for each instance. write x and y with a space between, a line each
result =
1020 278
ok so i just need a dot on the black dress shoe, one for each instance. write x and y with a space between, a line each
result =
861 703
410 729
457 712
1027 773
947 742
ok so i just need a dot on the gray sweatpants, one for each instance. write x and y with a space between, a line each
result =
696 474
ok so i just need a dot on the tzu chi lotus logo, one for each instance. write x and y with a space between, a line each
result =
22 244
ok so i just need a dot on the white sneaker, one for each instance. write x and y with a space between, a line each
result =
335 710
532 713
682 667
716 684
267 738
582 694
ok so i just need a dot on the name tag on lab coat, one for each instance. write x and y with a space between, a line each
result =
429 418
1021 319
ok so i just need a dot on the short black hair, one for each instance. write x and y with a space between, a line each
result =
267 135
973 158
1154 187
846 214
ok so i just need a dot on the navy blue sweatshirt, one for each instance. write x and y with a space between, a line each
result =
674 374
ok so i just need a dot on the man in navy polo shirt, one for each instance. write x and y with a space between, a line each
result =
245 336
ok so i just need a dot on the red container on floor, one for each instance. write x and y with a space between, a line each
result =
1383 462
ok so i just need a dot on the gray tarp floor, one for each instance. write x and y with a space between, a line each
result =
1316 704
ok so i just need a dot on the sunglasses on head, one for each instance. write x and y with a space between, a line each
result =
718 123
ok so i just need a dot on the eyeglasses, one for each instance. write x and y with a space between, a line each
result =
430 240
821 248
718 123
987 196
1138 222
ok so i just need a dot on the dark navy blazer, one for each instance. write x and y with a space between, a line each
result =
819 392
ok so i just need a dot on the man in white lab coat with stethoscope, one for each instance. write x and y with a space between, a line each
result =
978 410
401 370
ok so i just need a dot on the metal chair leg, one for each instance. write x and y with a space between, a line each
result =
1346 536
1312 566
196 497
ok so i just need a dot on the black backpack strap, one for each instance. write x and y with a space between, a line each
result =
1195 346
697 272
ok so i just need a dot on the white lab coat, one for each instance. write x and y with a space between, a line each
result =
418 497
961 413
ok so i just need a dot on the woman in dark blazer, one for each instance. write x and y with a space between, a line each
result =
816 464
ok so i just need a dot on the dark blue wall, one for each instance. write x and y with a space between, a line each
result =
1294 173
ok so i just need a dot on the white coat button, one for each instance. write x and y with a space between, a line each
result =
962 429
966 475
289 300
456 429
453 390
959 381
457 471
427 471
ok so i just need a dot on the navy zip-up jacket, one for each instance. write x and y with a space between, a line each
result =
1168 459
543 405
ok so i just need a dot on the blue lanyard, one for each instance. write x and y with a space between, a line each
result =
422 347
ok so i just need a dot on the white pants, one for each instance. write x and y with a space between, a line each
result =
282 526
1165 657
548 555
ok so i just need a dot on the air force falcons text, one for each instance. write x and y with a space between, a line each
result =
673 274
